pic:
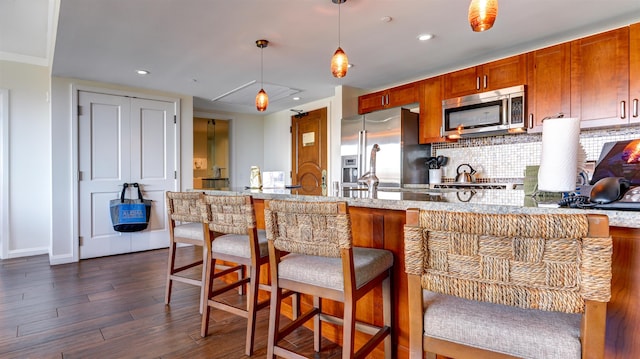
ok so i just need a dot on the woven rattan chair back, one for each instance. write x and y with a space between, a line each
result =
555 262
185 226
228 214
311 228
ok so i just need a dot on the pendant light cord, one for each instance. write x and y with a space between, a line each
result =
261 67
339 6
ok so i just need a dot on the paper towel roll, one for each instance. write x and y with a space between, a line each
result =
559 158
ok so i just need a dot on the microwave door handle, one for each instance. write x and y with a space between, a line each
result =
506 111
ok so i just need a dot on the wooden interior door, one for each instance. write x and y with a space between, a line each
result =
309 152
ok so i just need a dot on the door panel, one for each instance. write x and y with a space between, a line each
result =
309 152
122 140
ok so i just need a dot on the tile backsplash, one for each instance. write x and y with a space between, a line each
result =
504 158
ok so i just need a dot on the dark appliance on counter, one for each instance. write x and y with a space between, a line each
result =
485 114
401 157
616 178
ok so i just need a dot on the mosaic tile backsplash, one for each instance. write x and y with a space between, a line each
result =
504 158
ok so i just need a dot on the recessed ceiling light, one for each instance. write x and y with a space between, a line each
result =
296 98
425 37
142 72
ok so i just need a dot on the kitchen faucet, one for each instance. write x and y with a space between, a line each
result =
370 178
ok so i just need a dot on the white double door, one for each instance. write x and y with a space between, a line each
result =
123 139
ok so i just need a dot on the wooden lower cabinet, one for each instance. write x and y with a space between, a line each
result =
380 228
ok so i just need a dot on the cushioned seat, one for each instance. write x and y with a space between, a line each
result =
507 285
311 252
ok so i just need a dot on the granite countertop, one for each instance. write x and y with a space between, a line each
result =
484 201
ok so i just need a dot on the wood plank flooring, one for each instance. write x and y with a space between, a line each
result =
113 307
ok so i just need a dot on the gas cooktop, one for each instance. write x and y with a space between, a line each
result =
474 185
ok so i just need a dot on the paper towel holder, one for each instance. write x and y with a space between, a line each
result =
557 115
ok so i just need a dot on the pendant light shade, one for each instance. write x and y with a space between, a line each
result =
482 14
262 100
339 61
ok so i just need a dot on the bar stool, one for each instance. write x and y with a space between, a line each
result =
507 285
322 262
234 238
185 226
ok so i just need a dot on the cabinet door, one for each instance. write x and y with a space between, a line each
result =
600 79
634 72
494 75
431 110
461 83
508 72
549 84
403 95
393 97
372 102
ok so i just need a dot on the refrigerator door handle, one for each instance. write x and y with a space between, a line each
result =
361 149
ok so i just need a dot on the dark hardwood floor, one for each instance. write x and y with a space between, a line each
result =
113 307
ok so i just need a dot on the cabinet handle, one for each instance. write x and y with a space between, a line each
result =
635 107
530 120
485 81
477 82
387 99
623 108
382 100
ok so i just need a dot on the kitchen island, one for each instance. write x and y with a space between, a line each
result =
378 220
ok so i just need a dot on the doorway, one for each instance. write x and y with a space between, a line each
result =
123 139
211 168
309 152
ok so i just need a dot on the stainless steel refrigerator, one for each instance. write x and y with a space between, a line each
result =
401 158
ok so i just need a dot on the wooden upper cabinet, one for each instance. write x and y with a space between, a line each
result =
511 71
548 84
634 72
393 97
600 79
431 110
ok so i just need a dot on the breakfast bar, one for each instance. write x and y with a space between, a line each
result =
378 220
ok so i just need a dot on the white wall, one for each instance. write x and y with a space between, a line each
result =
63 234
29 155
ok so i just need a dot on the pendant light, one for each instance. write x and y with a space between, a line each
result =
482 14
339 61
262 100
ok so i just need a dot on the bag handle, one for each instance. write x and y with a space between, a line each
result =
124 189
139 192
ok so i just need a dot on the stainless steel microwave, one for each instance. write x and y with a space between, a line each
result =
485 114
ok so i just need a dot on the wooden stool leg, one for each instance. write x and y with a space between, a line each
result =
387 320
208 285
317 325
171 264
274 320
252 304
349 328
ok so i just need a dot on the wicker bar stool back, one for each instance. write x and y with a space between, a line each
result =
322 263
234 239
507 285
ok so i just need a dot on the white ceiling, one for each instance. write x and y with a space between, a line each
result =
206 48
